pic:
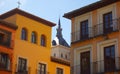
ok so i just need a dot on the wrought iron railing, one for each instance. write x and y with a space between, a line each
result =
5 38
22 71
96 30
98 67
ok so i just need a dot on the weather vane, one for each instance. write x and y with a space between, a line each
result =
19 4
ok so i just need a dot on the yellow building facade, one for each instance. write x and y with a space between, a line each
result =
95 42
32 50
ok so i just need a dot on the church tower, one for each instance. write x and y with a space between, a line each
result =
60 48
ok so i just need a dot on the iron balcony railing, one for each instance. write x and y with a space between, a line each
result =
42 72
96 30
5 38
99 67
22 71
4 66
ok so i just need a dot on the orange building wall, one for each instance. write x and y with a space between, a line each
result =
34 53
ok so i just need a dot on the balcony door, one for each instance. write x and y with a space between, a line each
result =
107 22
109 58
84 29
85 62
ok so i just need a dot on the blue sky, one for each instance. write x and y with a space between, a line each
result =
49 10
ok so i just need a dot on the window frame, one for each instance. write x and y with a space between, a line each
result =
84 30
42 68
24 34
108 58
20 68
107 22
43 40
33 37
59 70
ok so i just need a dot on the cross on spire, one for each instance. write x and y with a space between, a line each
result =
19 4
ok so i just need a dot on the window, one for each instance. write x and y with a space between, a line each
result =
85 62
59 71
1 37
22 65
24 34
42 68
84 29
4 61
54 55
43 40
108 24
109 58
66 56
61 55
33 37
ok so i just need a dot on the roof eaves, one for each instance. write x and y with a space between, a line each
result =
26 14
88 8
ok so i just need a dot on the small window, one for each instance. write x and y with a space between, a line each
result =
59 71
22 65
24 34
43 40
33 37
66 56
61 55
54 55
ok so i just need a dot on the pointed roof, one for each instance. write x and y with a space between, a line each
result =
28 15
59 40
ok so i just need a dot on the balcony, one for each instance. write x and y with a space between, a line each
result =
22 71
96 30
98 67
42 72
5 38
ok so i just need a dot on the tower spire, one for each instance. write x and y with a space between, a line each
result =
59 29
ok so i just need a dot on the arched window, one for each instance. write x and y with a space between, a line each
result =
33 37
24 34
43 40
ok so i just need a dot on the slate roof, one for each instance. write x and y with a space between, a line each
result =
59 40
